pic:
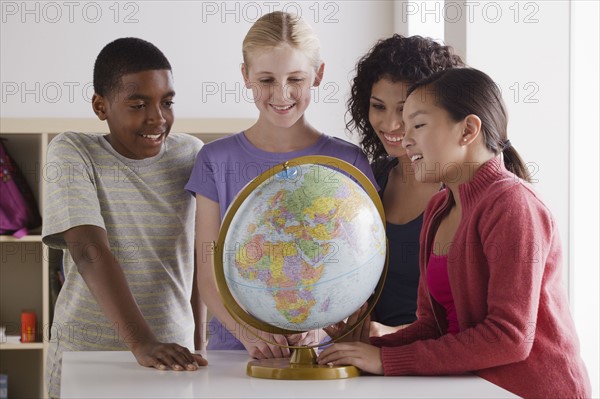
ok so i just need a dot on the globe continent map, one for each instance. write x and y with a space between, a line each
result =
305 248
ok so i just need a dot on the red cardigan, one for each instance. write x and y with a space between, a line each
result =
504 267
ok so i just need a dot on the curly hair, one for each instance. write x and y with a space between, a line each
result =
400 59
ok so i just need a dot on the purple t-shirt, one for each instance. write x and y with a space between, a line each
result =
223 167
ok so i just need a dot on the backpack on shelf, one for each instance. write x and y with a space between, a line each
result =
18 210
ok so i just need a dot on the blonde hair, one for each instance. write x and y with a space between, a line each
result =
279 28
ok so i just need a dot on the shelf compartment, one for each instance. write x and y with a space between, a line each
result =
25 372
21 284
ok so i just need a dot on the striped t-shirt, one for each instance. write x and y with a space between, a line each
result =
149 219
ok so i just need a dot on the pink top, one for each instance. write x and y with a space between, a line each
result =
439 287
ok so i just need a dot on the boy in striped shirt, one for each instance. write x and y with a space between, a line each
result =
118 209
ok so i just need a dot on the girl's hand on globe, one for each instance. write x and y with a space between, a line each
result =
296 339
308 338
378 329
360 333
259 349
364 356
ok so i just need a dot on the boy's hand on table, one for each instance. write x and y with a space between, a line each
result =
164 356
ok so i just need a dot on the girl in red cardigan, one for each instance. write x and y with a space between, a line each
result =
491 300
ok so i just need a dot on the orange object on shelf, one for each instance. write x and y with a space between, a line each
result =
28 326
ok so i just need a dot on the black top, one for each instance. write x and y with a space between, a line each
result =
398 301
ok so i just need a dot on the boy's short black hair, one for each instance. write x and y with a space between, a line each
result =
124 56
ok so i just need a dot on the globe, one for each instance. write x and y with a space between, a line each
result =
302 246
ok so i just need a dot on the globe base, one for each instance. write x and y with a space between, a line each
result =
301 366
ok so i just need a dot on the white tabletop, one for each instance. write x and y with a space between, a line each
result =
118 375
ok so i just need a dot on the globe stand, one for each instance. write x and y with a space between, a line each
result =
301 366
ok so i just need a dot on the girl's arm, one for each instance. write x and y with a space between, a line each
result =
207 231
517 237
379 330
200 314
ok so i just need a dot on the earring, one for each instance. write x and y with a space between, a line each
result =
464 139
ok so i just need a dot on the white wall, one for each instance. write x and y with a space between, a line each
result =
584 194
47 60
525 46
527 54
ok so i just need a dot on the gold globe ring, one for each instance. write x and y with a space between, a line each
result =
302 364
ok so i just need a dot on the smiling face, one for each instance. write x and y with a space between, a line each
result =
280 79
385 114
139 114
433 141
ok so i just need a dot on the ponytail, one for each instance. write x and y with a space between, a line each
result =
514 163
